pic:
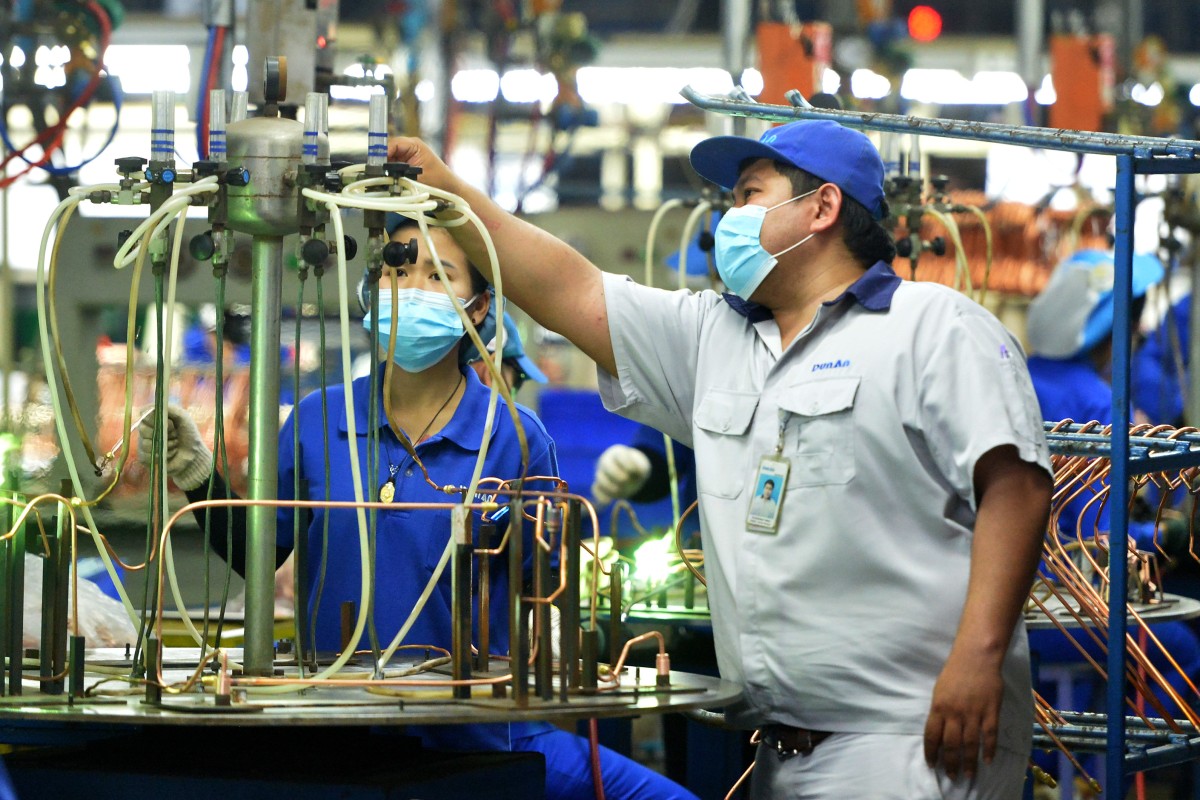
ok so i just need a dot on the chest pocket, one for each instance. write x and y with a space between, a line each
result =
820 435
722 420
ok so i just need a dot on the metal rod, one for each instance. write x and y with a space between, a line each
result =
16 631
377 131
590 656
312 130
518 629
76 677
543 682
263 478
1118 484
460 600
6 606
216 125
1025 135
568 649
487 531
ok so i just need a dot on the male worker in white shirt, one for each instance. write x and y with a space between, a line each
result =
875 628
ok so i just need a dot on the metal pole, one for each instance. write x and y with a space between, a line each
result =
266 286
1192 407
735 27
1119 484
1030 33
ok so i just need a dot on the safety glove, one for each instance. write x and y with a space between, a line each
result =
189 461
620 471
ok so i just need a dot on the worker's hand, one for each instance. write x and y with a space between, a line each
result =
964 716
189 461
620 472
416 153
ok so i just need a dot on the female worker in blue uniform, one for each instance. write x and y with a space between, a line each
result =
441 405
1069 331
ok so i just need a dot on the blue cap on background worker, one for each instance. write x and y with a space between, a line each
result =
517 365
1074 313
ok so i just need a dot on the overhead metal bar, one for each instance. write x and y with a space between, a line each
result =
1021 135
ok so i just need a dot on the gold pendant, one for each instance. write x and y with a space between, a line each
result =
387 491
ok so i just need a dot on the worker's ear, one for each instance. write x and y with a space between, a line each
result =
481 308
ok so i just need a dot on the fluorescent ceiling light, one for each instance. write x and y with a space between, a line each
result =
868 85
146 68
528 86
752 82
949 87
1045 95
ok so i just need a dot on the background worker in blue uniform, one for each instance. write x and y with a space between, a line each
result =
1160 366
441 405
1069 330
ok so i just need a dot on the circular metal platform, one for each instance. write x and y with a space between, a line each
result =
331 704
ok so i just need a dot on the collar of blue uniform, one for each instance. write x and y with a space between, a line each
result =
873 291
462 429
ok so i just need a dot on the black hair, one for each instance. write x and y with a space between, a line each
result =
479 284
769 482
864 236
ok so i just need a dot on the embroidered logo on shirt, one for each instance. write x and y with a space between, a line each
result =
1004 352
841 363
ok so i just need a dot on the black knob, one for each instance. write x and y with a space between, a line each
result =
904 247
128 164
333 182
314 252
201 246
400 169
238 176
938 246
396 254
706 242
339 164
204 168
349 246
939 183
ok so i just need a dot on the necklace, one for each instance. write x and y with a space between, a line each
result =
388 490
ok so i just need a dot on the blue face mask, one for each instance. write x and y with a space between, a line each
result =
741 261
427 327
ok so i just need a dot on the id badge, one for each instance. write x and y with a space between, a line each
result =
770 482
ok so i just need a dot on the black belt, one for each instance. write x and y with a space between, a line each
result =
787 741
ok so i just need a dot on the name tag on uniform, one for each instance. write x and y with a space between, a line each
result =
770 483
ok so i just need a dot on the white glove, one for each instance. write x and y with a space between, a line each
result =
555 632
189 461
620 472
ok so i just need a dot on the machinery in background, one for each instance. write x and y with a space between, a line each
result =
53 66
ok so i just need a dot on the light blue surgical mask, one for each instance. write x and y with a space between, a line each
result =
742 262
427 326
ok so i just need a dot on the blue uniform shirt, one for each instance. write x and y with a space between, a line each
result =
409 543
1071 388
1155 385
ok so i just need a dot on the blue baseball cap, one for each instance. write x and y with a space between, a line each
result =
1074 313
831 152
513 351
393 221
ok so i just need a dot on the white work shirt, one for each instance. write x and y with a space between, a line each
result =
843 619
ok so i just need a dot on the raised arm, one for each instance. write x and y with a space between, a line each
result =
545 276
